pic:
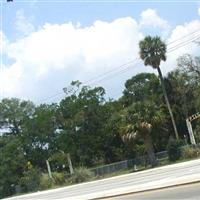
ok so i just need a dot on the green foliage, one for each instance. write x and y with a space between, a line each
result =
141 87
58 161
13 113
83 118
190 152
30 180
81 174
59 178
143 115
13 164
45 182
152 51
39 135
174 149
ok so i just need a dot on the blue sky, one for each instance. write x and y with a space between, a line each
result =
87 13
47 44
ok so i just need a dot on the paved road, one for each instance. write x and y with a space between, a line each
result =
134 181
189 192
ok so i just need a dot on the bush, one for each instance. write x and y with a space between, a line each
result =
30 180
81 175
59 178
173 149
190 152
45 182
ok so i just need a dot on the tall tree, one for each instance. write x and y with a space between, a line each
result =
189 67
141 87
13 164
83 118
152 52
13 114
39 135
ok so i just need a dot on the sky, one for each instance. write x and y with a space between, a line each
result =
46 44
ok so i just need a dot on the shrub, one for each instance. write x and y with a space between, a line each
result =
30 180
81 175
45 182
190 152
59 178
173 149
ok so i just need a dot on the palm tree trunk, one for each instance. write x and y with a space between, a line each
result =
167 102
150 150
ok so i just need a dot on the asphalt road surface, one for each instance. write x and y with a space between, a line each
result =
157 176
189 192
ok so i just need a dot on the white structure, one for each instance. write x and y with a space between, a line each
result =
189 126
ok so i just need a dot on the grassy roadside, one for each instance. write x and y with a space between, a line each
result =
83 175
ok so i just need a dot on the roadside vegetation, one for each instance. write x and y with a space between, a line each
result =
85 130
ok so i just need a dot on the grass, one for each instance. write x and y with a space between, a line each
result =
162 162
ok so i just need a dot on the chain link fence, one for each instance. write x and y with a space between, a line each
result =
126 164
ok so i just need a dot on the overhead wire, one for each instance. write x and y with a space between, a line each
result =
94 79
103 77
189 34
110 71
184 43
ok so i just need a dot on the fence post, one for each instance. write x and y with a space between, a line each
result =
70 164
135 167
49 169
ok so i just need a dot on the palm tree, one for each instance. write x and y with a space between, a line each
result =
140 121
152 52
143 131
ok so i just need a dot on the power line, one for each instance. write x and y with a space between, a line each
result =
170 50
127 68
178 46
130 67
113 75
110 71
174 41
131 62
184 43
94 78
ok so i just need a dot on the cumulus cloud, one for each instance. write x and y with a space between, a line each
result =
44 61
150 17
10 80
182 41
46 55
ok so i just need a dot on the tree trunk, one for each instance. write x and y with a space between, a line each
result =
167 102
150 150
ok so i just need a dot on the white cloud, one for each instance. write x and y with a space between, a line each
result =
199 11
22 24
46 60
10 80
43 57
181 41
3 42
150 17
